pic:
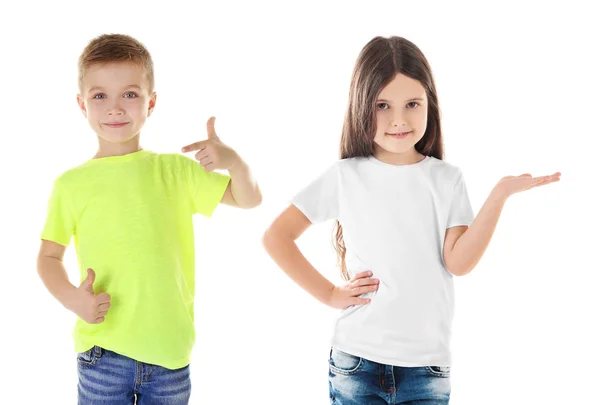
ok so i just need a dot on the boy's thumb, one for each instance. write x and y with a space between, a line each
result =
88 283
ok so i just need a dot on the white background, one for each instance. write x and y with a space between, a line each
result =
518 88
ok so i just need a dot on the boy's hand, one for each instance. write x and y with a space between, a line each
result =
212 153
88 306
347 295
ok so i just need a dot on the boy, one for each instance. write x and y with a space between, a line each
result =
130 213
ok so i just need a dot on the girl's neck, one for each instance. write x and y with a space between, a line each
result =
397 159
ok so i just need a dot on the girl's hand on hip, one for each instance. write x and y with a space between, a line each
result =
348 294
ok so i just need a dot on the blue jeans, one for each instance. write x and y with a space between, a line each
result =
107 378
357 381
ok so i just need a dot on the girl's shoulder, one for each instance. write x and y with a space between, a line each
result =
444 171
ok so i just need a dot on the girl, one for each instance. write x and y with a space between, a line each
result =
404 228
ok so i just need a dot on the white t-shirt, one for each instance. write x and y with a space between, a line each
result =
394 220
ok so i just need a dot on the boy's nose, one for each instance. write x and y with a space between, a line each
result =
115 110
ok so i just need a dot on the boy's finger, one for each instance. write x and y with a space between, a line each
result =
202 155
210 128
194 146
102 298
209 166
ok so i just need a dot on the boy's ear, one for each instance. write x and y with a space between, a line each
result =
152 103
81 105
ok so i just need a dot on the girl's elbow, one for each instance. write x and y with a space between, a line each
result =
269 239
459 271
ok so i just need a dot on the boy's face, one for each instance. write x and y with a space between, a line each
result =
116 100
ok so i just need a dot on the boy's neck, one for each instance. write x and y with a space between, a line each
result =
107 149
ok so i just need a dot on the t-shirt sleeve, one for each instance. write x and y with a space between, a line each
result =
318 201
60 217
461 213
206 189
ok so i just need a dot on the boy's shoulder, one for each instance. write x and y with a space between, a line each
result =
86 169
73 173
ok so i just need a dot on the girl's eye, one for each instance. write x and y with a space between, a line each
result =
413 104
130 95
382 106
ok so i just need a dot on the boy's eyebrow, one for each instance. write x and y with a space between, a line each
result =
410 99
95 88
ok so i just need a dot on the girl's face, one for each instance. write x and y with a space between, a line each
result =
401 117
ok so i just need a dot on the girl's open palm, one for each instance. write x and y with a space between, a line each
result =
510 185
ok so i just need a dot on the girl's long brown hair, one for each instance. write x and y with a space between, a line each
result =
377 65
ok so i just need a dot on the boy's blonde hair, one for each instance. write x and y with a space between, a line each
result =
116 48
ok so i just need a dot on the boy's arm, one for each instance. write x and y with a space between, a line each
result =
52 271
82 301
242 191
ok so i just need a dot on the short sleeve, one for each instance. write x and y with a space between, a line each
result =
318 201
461 213
60 218
206 189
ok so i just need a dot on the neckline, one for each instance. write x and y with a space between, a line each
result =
120 158
421 162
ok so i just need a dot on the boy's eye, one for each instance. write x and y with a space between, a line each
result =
99 96
130 95
413 104
382 106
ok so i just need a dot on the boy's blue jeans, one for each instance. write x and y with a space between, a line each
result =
357 381
107 378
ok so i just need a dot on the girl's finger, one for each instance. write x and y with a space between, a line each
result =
363 290
360 301
362 274
365 281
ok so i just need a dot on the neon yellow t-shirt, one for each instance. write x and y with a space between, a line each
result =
131 220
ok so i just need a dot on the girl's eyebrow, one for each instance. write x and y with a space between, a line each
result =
410 99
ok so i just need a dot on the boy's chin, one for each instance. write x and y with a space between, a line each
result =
116 140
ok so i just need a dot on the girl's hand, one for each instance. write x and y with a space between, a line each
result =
510 185
347 295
